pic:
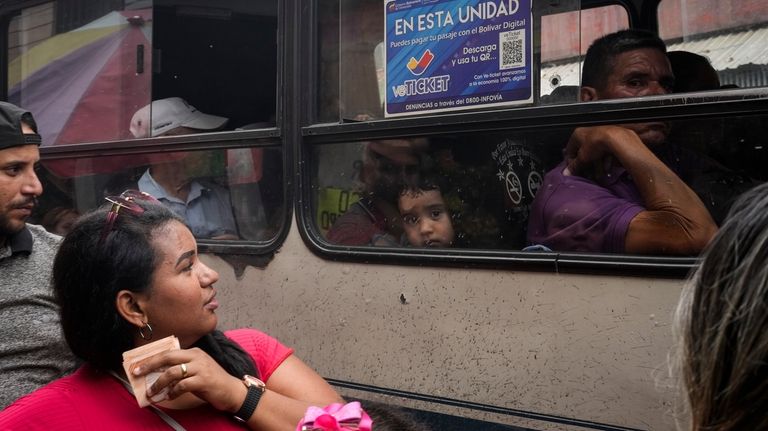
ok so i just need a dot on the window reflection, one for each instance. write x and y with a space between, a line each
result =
483 184
82 80
223 201
351 53
85 67
732 39
378 193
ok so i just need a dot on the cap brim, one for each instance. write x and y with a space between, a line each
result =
205 121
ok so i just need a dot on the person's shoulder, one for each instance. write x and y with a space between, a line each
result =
212 192
357 226
42 238
45 402
247 336
209 184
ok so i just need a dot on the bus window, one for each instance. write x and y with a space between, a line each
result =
219 196
729 35
378 193
82 78
100 73
85 73
221 57
357 52
484 184
565 37
488 180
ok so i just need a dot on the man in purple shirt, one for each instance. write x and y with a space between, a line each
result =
617 190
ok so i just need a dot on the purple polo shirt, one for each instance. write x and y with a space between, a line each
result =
571 213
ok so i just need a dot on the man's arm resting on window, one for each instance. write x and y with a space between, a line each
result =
675 220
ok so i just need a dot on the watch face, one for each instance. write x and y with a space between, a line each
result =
253 381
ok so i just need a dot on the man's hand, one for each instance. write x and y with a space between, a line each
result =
590 152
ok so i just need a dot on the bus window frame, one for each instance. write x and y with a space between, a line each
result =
277 136
268 138
642 14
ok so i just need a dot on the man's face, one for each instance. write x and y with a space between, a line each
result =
390 163
19 187
637 73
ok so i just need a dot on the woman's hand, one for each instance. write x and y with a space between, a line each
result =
193 371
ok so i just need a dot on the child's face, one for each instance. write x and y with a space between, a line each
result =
425 219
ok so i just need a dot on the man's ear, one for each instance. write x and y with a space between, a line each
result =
587 94
130 308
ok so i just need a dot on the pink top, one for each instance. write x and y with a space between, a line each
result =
89 399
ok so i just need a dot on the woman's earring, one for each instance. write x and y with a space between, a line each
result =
147 336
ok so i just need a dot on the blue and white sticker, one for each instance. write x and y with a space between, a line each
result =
448 55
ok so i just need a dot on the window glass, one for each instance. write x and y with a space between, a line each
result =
565 37
82 76
729 35
231 193
478 190
352 66
86 67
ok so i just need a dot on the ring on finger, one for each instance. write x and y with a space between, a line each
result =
183 370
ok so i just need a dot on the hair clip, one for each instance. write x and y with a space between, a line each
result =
336 417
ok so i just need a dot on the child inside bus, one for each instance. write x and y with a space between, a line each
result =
426 218
374 219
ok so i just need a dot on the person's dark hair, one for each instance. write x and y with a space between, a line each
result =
601 55
722 324
424 181
389 418
693 72
88 272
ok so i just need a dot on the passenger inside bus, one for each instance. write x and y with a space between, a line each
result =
459 191
175 178
425 215
618 189
721 328
128 274
375 219
693 72
716 185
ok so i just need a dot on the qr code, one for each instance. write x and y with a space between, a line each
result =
512 49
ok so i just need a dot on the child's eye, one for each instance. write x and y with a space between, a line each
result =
436 214
409 219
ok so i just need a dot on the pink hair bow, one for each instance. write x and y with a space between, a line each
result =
336 417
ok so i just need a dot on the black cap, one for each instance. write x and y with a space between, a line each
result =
11 134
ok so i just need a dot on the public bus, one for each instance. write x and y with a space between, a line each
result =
489 334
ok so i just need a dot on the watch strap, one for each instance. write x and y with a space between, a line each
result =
251 401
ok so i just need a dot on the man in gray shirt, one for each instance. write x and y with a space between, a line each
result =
32 349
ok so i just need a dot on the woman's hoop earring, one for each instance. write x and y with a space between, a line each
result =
141 332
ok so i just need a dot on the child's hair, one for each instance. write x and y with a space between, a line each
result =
423 182
474 226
